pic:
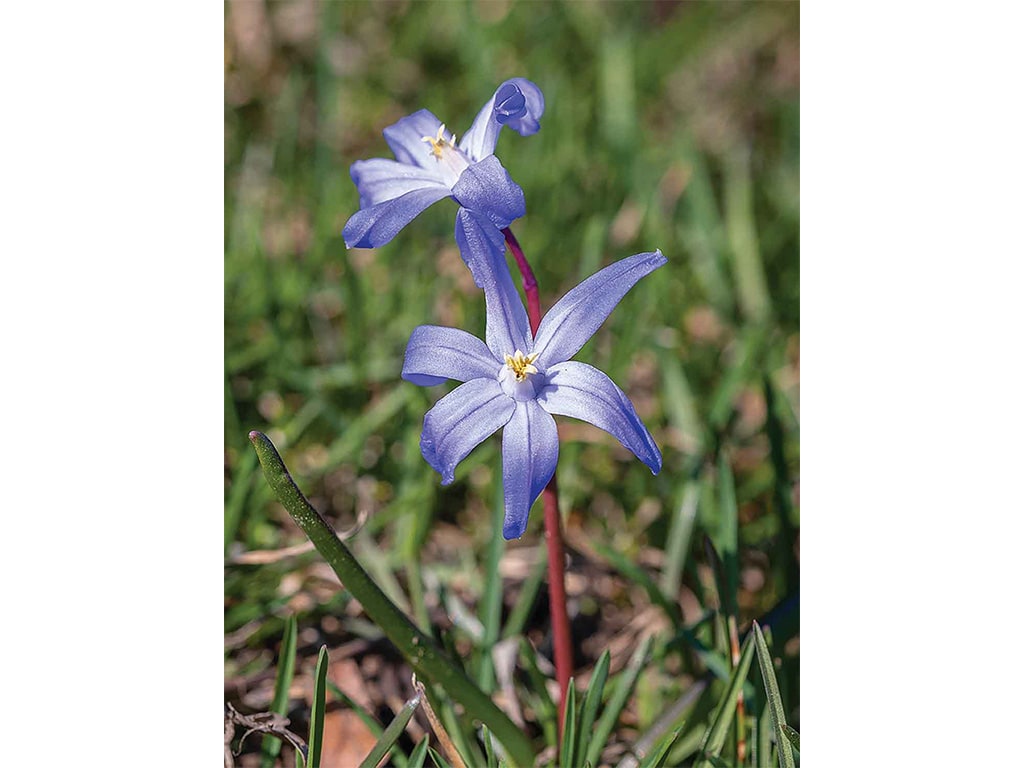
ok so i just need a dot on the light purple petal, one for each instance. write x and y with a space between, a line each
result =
406 138
460 421
373 227
576 316
529 453
517 103
483 249
583 392
379 180
486 188
435 354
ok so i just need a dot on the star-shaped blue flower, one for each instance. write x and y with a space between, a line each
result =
517 382
429 166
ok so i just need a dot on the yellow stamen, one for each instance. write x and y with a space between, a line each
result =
521 365
438 144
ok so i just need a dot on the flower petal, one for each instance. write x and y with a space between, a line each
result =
378 224
460 421
583 392
406 138
486 188
435 354
571 322
379 180
517 103
529 449
483 249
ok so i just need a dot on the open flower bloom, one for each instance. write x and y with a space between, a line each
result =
429 166
517 382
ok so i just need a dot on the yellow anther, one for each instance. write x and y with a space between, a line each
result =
438 144
521 365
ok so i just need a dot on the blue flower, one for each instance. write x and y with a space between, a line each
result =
429 166
517 382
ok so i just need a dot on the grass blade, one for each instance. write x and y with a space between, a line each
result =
419 753
490 601
568 748
271 746
771 688
714 738
316 715
792 735
624 683
422 653
592 700
657 757
391 733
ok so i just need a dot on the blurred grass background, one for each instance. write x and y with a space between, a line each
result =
670 125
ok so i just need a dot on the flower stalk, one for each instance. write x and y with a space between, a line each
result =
560 629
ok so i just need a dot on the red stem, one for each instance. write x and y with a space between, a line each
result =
529 281
552 521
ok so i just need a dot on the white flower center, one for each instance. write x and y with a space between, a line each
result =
450 159
518 377
521 365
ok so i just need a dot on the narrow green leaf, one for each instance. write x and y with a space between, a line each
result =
591 702
271 746
567 752
762 743
714 737
547 713
492 760
656 758
677 543
728 535
490 601
437 758
792 735
391 734
316 715
771 688
419 753
422 652
741 229
623 687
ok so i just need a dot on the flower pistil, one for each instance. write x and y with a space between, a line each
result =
521 365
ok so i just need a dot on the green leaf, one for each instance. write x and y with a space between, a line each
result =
591 701
547 713
656 758
490 601
771 688
271 746
391 733
714 737
422 653
316 715
492 760
792 735
419 753
568 750
728 535
623 687
437 758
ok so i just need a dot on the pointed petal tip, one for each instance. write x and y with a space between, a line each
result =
657 258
